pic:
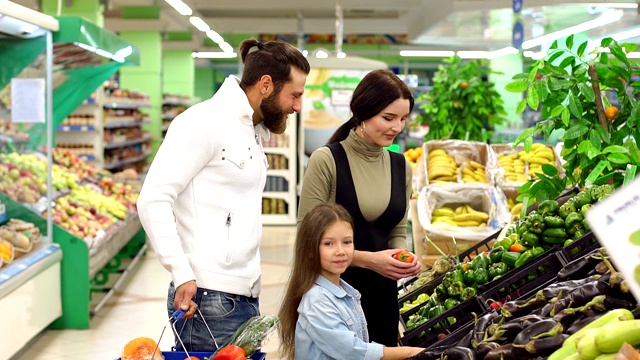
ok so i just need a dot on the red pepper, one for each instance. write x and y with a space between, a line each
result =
403 255
230 352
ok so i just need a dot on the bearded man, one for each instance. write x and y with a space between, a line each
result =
200 204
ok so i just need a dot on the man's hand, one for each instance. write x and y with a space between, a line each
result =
184 295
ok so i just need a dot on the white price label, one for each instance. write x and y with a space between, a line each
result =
615 223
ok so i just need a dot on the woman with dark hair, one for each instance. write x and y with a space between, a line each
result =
374 185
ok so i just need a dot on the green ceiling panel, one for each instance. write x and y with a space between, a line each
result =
140 12
179 36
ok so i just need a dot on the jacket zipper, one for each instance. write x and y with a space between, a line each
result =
228 225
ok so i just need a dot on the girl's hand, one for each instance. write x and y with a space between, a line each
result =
386 265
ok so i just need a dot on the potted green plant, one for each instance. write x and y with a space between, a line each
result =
463 103
600 139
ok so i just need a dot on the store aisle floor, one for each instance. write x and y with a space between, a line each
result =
138 308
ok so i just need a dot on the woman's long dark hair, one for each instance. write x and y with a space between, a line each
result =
374 93
306 268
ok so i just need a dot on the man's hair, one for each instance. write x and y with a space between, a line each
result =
274 58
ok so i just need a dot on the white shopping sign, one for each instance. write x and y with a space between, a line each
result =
616 223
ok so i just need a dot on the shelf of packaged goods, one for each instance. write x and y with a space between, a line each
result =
284 195
168 117
277 150
281 173
123 104
126 124
175 103
127 143
72 128
117 164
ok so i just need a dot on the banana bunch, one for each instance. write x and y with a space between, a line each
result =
539 155
473 172
441 167
515 209
463 216
513 167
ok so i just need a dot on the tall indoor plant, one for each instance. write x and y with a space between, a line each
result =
463 103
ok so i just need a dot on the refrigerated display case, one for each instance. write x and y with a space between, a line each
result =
31 262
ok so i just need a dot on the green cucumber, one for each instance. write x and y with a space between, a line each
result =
611 337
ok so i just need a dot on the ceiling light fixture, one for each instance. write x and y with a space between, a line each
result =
607 17
199 23
213 55
473 54
509 50
181 7
214 36
226 47
427 53
623 35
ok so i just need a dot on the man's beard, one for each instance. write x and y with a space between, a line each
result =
274 117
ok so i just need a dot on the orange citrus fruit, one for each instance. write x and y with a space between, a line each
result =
464 85
611 113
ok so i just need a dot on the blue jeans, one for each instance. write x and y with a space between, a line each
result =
223 312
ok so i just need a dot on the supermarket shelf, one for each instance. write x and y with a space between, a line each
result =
277 150
117 164
175 103
168 117
109 103
26 267
70 128
281 173
284 195
125 124
88 157
127 143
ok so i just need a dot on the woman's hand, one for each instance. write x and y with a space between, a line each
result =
386 265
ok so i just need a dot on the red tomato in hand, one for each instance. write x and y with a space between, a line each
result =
403 255
230 352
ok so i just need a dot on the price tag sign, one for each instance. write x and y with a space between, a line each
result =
615 223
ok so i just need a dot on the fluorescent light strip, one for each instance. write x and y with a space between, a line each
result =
181 7
426 53
609 5
226 47
215 37
608 17
509 50
213 55
473 54
199 23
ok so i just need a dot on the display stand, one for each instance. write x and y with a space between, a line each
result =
279 199
29 284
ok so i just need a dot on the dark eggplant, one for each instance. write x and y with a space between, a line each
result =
503 352
519 307
612 303
578 268
544 311
538 329
429 354
480 327
581 295
509 330
547 345
601 268
580 323
484 348
552 291
458 353
466 340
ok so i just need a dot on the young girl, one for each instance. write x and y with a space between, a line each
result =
321 316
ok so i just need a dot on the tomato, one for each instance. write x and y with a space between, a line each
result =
230 352
192 358
403 255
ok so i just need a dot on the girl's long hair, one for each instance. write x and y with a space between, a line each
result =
306 268
374 93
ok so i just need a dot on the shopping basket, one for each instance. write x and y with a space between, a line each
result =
182 355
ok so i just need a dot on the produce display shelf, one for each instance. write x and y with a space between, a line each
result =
101 254
117 164
108 103
71 128
127 143
88 157
125 124
276 150
29 265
